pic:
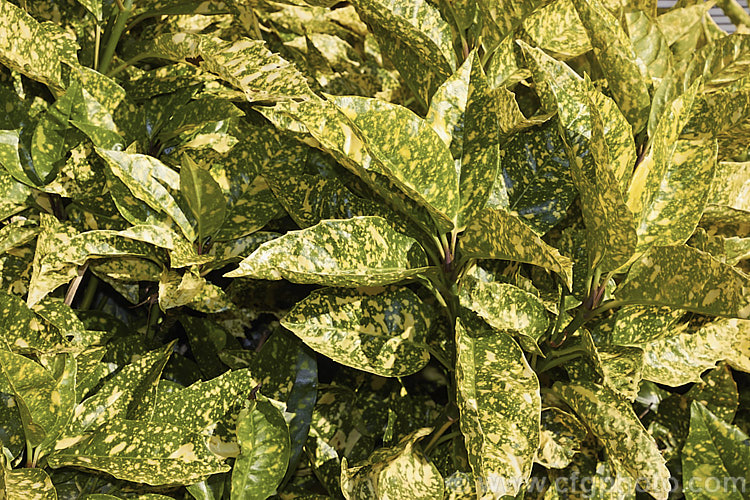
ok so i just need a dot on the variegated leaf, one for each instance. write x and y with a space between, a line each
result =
203 196
560 438
649 44
149 180
143 452
717 391
637 325
628 444
36 50
500 405
508 309
23 331
202 404
377 330
15 193
245 64
263 437
731 186
681 358
556 28
411 152
716 457
682 277
362 251
402 471
29 484
415 38
495 234
624 73
721 63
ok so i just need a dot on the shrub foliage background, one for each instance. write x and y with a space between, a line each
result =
380 249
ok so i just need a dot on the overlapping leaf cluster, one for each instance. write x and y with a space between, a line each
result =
378 249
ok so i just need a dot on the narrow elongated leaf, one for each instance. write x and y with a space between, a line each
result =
263 438
151 181
410 150
628 444
508 309
203 196
500 405
682 277
44 44
415 38
52 135
143 452
378 330
495 234
681 358
362 251
245 64
394 473
618 61
715 457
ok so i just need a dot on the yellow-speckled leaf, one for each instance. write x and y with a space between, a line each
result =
495 234
500 406
502 17
599 145
415 38
29 484
560 438
22 330
263 438
203 196
36 50
717 390
637 325
35 391
361 251
508 309
731 186
129 393
682 277
245 64
143 452
715 458
409 149
53 236
623 71
628 444
377 330
15 194
202 404
536 175
681 358
151 181
721 63
649 44
556 28
675 207
177 290
394 473
16 233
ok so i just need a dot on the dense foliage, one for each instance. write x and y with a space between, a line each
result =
378 249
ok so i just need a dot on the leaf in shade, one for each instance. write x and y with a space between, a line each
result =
500 405
560 438
415 38
617 58
612 420
402 471
23 330
716 456
536 174
682 277
263 437
203 196
143 452
362 251
495 234
29 484
508 309
15 194
681 358
717 391
377 330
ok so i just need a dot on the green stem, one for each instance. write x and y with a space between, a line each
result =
553 362
114 36
130 62
611 305
154 313
90 293
449 418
